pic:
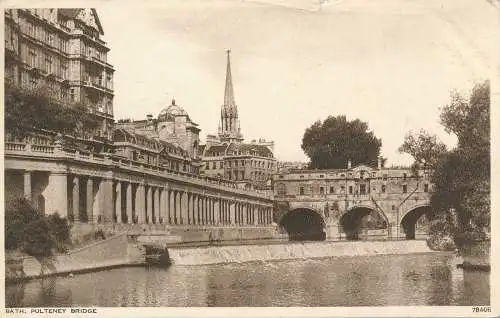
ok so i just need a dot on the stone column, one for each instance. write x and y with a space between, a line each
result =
107 200
162 205
157 205
209 210
171 208
150 204
232 212
129 203
216 211
255 215
90 200
76 199
27 184
140 204
118 202
178 207
56 194
184 207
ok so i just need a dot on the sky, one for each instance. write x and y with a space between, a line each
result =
389 63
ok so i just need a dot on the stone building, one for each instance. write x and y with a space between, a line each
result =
62 51
227 156
173 139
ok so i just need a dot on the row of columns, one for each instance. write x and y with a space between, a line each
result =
95 200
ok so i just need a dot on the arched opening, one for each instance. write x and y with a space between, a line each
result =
415 223
363 223
304 225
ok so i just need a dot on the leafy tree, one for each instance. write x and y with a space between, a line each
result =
26 110
426 149
331 143
462 176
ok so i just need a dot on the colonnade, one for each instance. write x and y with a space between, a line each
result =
104 199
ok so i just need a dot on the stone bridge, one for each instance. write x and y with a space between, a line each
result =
357 203
94 190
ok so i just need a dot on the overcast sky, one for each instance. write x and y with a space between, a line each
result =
389 63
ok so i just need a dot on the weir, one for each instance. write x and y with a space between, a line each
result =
296 250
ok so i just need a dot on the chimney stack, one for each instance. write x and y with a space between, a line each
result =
349 164
379 162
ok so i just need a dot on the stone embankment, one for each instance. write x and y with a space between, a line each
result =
119 250
283 251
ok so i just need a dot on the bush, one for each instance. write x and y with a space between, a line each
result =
28 229
38 239
18 214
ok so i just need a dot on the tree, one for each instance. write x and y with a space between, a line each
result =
331 143
426 149
462 176
26 110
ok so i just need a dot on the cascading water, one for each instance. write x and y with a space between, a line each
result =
283 251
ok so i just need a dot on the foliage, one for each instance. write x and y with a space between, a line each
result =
26 110
38 239
331 143
426 149
462 177
29 230
18 214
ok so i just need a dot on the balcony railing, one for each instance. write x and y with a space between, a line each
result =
58 150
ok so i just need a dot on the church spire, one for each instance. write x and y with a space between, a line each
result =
229 92
229 129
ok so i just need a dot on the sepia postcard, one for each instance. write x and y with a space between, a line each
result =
273 158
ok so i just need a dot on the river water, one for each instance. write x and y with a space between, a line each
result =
430 279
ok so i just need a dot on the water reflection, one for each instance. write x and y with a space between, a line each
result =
425 279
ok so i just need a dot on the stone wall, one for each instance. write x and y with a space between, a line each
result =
119 250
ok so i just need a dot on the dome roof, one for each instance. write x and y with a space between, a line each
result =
172 111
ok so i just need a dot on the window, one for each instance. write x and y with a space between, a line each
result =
214 165
221 165
383 188
72 94
361 174
32 58
302 177
384 176
405 188
48 64
31 29
393 207
321 190
242 163
362 189
301 191
321 176
350 189
281 189
64 69
331 190
33 82
426 187
404 176
208 166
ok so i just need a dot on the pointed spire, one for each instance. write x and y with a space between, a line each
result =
229 92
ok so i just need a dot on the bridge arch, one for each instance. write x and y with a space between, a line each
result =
359 218
304 224
415 221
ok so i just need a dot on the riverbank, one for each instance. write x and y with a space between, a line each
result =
282 251
117 251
